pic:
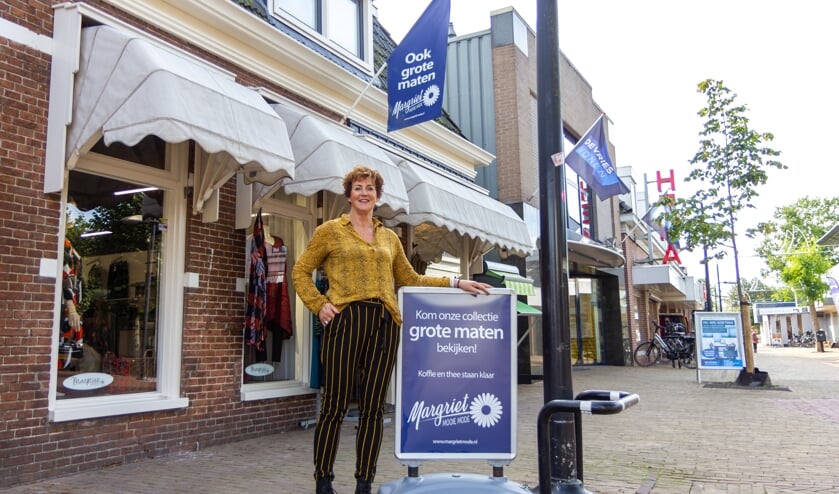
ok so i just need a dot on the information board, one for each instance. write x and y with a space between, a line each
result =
456 391
719 340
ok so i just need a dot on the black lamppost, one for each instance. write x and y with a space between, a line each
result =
553 255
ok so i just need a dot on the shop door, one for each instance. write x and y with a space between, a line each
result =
585 317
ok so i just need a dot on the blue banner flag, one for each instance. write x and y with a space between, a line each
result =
416 69
590 159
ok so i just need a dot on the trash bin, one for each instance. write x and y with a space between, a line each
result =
821 337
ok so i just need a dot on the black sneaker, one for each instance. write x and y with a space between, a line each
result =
363 487
324 486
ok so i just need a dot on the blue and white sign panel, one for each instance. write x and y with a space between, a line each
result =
719 340
456 390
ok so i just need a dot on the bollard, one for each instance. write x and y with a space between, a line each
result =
596 402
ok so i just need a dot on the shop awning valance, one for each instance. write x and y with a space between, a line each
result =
326 151
458 210
128 88
527 310
831 237
516 283
509 275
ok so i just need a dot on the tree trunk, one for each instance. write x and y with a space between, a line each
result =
814 317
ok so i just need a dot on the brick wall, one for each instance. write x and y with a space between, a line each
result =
638 298
34 448
508 140
514 79
34 15
28 225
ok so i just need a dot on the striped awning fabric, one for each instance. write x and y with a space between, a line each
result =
519 284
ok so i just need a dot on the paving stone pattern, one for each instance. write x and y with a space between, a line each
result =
684 437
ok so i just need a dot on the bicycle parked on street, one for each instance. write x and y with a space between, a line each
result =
808 339
670 341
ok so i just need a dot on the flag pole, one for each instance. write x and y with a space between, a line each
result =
363 91
603 114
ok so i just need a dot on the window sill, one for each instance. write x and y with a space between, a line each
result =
269 390
91 408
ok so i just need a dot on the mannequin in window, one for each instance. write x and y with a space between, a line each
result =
71 335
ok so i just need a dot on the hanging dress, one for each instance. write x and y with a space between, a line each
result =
277 301
256 295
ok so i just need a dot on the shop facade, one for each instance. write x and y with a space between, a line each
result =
141 142
500 64
658 287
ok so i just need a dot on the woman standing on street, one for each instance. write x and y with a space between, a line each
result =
364 263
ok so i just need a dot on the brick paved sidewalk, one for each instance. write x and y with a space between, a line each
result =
683 437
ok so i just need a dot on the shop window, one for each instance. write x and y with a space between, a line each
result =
271 357
118 321
572 192
112 267
341 22
585 320
281 363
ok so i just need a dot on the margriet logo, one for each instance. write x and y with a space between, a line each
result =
485 410
427 97
407 106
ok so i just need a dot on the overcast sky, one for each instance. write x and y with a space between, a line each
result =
644 59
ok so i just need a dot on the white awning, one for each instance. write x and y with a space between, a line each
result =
326 151
128 88
457 210
509 275
587 252
664 280
831 237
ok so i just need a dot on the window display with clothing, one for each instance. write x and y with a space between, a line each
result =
268 316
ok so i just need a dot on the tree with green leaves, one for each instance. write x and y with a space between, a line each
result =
790 250
732 162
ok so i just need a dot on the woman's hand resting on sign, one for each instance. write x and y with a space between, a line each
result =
474 287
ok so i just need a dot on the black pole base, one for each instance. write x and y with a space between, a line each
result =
564 487
753 379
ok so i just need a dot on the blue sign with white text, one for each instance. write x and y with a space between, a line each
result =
416 69
456 393
590 159
719 340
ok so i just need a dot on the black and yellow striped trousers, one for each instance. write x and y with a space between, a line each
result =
358 346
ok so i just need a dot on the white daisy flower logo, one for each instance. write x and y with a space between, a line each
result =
486 410
429 97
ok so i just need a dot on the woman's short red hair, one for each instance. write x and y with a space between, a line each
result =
359 172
